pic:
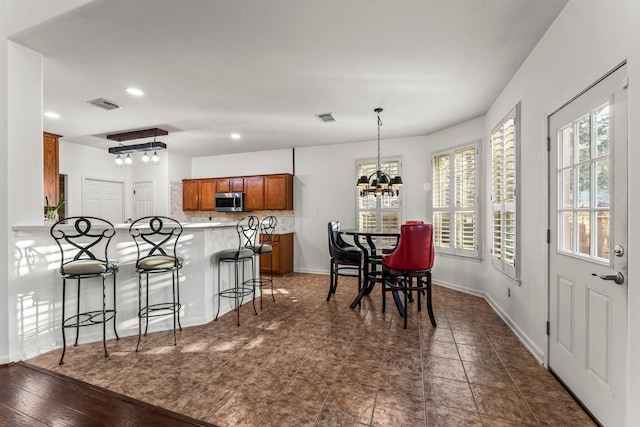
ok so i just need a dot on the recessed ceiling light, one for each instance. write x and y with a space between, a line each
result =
52 115
134 91
235 136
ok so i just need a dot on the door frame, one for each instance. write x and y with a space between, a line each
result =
551 217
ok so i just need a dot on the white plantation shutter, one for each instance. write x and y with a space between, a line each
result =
504 164
455 208
382 212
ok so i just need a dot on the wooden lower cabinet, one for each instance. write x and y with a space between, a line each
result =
282 256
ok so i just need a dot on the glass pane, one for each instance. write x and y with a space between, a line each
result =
466 231
584 138
509 164
442 229
584 233
566 188
566 142
509 237
497 235
602 183
565 241
602 220
367 221
496 154
584 189
602 131
441 181
465 171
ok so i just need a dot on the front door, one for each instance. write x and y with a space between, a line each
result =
587 263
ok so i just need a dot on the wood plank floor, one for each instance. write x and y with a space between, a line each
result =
31 396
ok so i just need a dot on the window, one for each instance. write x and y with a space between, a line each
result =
504 194
584 177
455 201
382 212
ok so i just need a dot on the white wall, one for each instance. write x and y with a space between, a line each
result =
587 40
243 164
633 355
79 161
326 191
4 164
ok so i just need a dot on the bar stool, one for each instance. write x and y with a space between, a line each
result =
80 239
247 229
156 238
263 249
412 258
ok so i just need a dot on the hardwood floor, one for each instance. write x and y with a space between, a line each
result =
31 396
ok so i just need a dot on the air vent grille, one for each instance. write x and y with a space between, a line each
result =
104 104
326 117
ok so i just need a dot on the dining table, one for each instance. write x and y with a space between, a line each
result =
373 259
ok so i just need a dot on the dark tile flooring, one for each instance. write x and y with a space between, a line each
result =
304 361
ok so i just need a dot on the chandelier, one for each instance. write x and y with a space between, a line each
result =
145 147
379 182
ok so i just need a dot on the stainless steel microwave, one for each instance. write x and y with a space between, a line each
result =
229 202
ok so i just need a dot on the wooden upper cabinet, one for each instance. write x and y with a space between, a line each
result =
230 185
254 193
207 193
51 166
190 194
278 192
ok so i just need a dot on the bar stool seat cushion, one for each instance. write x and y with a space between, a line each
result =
159 262
88 266
229 254
262 248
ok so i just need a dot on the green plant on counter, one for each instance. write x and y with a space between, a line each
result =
52 211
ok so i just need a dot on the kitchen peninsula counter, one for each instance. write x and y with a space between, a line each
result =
35 288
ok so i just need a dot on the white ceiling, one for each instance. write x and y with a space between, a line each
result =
265 68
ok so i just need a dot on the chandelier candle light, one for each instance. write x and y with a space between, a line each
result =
379 183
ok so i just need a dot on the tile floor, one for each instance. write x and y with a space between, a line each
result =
304 361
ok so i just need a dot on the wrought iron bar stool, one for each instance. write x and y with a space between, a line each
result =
264 249
247 229
83 242
156 238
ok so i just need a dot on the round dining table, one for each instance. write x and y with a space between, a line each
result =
372 259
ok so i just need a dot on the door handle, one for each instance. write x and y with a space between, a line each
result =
618 277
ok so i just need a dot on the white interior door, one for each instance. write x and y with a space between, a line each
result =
143 199
588 222
103 199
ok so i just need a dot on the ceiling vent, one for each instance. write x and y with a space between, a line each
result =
326 117
104 104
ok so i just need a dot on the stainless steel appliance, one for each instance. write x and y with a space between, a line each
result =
229 202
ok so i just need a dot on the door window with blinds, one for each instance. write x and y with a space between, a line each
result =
504 194
455 201
382 212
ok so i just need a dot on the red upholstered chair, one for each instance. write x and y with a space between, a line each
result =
412 258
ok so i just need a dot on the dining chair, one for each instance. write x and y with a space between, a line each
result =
83 242
156 238
413 258
345 259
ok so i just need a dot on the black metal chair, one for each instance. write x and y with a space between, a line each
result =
345 259
83 243
247 229
264 249
156 239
